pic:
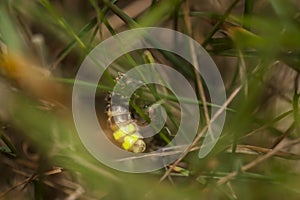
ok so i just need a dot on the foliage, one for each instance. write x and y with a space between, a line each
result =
255 44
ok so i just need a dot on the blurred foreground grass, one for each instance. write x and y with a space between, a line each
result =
255 44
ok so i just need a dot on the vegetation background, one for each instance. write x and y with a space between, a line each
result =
255 44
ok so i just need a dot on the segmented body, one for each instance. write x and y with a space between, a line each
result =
125 130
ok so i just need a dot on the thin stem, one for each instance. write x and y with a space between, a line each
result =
219 24
200 135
